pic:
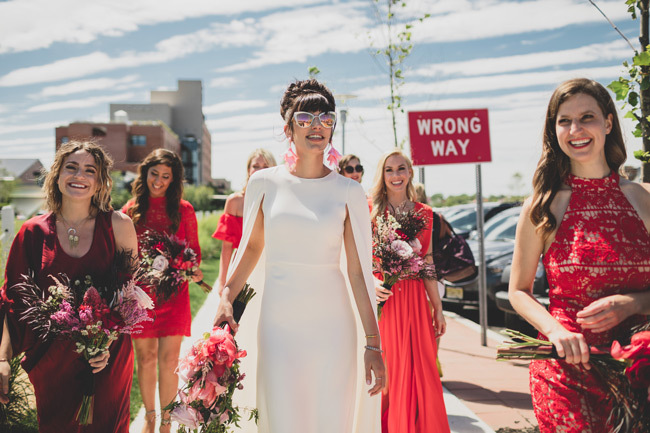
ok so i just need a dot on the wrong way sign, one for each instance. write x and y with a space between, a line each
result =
450 136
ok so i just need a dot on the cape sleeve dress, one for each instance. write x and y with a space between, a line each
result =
54 367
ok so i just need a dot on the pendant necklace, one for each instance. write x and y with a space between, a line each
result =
73 237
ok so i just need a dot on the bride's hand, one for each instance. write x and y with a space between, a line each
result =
374 363
224 314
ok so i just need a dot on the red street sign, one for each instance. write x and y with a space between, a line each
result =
449 137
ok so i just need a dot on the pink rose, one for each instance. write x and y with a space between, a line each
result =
639 346
220 347
187 416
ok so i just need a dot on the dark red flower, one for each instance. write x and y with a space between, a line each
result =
639 373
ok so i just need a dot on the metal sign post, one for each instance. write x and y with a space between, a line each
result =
482 281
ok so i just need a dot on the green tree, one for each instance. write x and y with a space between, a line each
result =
313 72
634 90
120 193
395 51
199 196
7 185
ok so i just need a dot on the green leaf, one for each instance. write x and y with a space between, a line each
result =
619 88
642 59
642 155
629 115
633 99
638 132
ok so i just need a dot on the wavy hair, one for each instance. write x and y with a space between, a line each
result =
378 190
101 200
265 154
554 165
306 95
140 189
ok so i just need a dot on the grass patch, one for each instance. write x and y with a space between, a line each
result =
210 253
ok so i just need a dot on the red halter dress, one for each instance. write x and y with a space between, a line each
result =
601 248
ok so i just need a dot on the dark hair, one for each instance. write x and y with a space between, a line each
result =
554 165
101 200
174 192
306 95
345 160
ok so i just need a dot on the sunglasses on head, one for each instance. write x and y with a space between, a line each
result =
305 120
349 169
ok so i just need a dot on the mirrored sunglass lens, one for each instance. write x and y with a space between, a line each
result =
327 119
303 119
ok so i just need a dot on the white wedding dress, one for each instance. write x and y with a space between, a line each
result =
302 329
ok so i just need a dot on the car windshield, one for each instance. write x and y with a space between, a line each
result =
503 226
465 220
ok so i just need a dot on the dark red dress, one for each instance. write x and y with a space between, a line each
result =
173 316
414 396
54 369
229 229
601 248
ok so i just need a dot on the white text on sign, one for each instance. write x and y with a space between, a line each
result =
451 125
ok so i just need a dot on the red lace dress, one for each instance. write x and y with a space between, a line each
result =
601 248
171 317
413 402
54 368
229 229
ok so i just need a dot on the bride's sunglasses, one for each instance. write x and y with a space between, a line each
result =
305 120
349 169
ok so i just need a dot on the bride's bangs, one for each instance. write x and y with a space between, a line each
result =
313 102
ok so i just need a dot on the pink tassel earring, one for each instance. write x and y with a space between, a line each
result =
290 157
333 157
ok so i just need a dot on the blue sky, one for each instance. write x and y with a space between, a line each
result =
66 60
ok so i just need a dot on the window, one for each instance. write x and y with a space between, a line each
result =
138 140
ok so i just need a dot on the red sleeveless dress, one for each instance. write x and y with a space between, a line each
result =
54 369
601 248
229 229
413 402
173 316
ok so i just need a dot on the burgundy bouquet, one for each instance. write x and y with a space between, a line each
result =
624 369
92 315
168 262
396 248
210 375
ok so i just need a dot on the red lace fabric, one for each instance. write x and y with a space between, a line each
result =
172 317
601 248
229 229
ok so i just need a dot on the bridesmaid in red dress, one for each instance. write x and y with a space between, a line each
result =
157 205
592 227
229 228
412 401
77 188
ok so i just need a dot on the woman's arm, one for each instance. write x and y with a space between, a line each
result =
372 359
528 248
234 206
237 280
125 237
431 286
5 357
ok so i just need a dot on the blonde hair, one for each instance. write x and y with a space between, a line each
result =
420 193
101 200
378 190
265 154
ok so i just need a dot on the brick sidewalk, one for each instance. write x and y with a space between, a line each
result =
497 392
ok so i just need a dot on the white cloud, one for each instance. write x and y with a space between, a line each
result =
224 82
34 24
231 106
80 103
81 86
29 127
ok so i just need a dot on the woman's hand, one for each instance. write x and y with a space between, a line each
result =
439 322
99 362
605 313
571 346
198 275
225 313
5 374
374 363
382 293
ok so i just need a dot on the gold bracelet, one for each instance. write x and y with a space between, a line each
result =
372 336
373 348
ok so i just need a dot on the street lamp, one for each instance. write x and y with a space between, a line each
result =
343 114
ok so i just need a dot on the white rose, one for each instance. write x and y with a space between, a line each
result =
160 263
402 249
416 245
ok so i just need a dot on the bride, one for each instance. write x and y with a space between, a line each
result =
302 214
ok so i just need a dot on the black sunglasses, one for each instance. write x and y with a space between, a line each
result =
349 169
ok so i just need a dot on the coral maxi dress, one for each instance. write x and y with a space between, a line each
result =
413 402
601 248
54 368
173 316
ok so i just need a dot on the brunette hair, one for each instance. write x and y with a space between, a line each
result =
378 190
101 200
306 95
554 165
345 160
265 154
174 193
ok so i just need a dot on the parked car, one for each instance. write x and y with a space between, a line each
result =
463 217
499 235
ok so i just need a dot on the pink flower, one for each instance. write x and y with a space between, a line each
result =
416 245
401 248
187 416
639 346
160 263
220 347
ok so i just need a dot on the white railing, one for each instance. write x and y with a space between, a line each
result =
6 236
